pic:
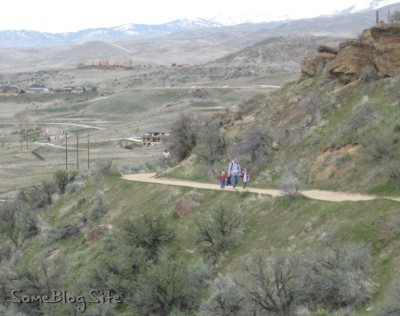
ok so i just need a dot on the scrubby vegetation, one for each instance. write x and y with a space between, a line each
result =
101 245
230 253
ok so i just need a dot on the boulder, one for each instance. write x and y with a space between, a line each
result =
350 61
314 65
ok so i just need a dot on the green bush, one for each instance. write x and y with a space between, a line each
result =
149 232
99 206
165 287
279 284
227 298
218 232
61 179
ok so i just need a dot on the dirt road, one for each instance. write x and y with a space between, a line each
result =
312 194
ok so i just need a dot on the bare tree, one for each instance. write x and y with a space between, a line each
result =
183 136
276 285
211 146
257 141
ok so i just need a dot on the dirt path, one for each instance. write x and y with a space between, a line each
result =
312 194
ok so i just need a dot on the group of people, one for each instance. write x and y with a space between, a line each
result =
233 175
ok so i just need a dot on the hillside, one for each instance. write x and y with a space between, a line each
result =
336 127
99 244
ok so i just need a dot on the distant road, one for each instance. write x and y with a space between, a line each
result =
71 124
312 194
248 87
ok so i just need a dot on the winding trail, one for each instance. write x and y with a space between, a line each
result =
312 194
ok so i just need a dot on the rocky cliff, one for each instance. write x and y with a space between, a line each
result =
376 53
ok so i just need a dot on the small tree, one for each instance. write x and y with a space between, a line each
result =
218 232
49 188
17 223
276 285
183 136
165 287
211 146
149 232
61 179
257 142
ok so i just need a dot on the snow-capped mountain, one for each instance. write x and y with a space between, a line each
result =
366 5
353 6
26 38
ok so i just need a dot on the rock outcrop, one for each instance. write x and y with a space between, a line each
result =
377 51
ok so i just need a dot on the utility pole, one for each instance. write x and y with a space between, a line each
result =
26 133
88 157
20 135
77 150
66 150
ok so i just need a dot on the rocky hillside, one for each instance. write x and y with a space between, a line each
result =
337 127
375 54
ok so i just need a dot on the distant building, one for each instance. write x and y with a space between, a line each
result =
158 137
39 88
8 90
72 89
54 133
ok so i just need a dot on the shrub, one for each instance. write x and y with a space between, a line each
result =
393 171
165 287
333 280
17 224
362 115
103 168
339 276
380 148
34 196
275 285
61 232
62 178
149 232
227 298
99 206
290 185
218 232
257 142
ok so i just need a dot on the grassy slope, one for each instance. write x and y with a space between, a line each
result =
330 153
270 224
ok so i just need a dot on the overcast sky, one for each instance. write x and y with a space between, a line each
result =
73 15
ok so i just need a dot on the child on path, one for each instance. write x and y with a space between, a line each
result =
222 180
245 177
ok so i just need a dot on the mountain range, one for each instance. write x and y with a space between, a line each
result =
360 9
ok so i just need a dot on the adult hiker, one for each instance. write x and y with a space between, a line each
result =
234 172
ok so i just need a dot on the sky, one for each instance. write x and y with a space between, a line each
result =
73 15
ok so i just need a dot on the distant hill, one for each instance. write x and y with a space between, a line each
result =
190 42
